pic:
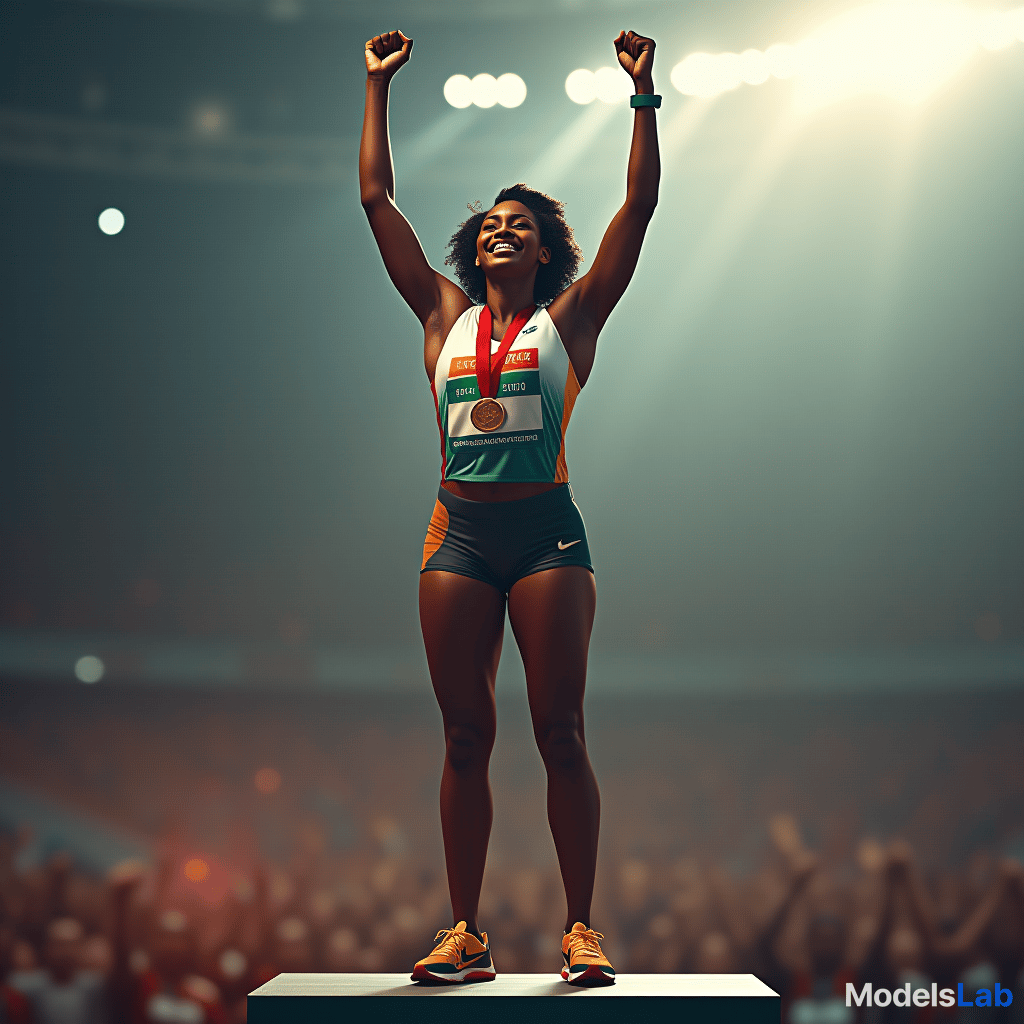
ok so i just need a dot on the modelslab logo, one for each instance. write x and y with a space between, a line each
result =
926 997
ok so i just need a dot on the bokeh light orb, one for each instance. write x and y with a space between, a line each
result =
211 117
267 780
484 90
458 91
754 67
511 90
701 75
995 30
782 59
111 221
196 869
89 669
612 84
1016 20
233 963
580 87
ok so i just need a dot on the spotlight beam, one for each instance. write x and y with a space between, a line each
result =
564 151
427 145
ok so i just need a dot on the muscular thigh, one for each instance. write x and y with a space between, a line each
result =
552 615
463 621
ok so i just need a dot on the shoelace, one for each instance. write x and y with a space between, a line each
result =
449 941
586 942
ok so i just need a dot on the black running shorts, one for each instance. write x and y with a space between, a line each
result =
500 542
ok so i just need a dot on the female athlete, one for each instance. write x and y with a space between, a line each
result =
506 355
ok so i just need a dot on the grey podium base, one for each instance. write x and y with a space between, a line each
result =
514 999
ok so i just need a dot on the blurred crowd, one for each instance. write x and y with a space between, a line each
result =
136 946
290 840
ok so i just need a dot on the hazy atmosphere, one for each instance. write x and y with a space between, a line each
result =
798 458
802 432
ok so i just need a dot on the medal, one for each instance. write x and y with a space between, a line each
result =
488 413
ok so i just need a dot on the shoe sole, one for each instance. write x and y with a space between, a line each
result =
421 973
590 975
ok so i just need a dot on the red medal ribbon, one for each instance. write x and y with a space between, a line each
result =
488 381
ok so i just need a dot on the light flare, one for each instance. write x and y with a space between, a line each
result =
905 50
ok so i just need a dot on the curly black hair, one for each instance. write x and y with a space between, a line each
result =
552 278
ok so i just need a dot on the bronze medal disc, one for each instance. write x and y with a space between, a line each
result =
487 414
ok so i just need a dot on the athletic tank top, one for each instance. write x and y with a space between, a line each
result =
538 390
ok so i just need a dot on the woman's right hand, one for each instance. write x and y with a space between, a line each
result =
386 53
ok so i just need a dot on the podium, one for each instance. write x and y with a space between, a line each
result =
514 999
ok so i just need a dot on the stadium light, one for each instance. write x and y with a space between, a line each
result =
995 31
782 60
609 85
903 49
111 221
484 90
754 69
511 90
580 87
707 74
1015 19
458 91
211 117
89 669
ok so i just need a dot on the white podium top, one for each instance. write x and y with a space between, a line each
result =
703 986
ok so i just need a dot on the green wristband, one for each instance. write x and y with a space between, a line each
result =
645 99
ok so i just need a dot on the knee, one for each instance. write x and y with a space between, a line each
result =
468 747
561 745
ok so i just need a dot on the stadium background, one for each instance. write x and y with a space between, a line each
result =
798 459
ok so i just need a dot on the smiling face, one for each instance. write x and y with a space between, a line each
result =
508 244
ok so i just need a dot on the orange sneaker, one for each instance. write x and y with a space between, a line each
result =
583 963
458 956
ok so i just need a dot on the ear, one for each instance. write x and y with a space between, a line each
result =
478 261
544 255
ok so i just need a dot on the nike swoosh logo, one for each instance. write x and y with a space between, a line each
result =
472 959
529 330
562 547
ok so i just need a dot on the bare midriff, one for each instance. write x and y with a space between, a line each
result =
476 491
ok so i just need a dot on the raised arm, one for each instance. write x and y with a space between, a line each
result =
403 255
598 291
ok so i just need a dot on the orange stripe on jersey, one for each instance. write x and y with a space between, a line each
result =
437 530
572 389
521 359
462 366
517 359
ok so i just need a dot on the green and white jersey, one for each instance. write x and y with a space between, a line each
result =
538 390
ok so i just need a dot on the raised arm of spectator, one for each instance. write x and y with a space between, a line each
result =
969 933
723 896
873 963
122 881
921 910
764 942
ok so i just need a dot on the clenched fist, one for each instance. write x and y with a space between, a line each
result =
636 55
386 53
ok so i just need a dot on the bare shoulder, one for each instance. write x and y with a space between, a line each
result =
577 331
454 302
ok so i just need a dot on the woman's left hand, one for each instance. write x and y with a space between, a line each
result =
636 55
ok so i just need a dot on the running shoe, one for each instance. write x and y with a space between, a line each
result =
458 956
583 963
